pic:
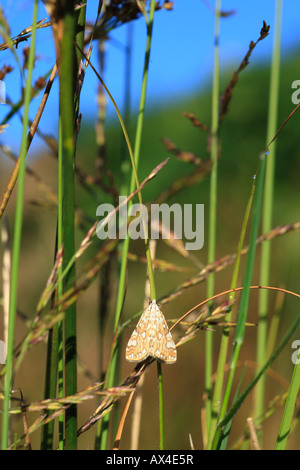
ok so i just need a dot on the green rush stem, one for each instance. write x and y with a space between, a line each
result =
17 240
69 63
267 214
212 212
134 182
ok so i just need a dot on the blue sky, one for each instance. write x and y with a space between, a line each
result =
181 57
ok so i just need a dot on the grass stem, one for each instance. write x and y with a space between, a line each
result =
244 301
68 112
289 409
267 213
133 182
212 211
17 239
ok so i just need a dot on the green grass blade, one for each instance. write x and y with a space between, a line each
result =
289 409
60 284
55 338
68 110
244 301
227 427
212 210
17 239
225 334
267 213
233 410
50 384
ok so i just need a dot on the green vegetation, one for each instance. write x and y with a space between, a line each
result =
232 307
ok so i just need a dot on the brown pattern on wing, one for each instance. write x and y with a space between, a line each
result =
151 337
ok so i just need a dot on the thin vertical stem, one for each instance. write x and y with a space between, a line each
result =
124 163
161 407
217 395
136 152
267 214
212 211
54 373
50 384
17 239
244 301
60 284
133 183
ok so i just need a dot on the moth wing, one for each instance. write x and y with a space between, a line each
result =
164 348
151 337
136 349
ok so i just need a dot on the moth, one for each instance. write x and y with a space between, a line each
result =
151 337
